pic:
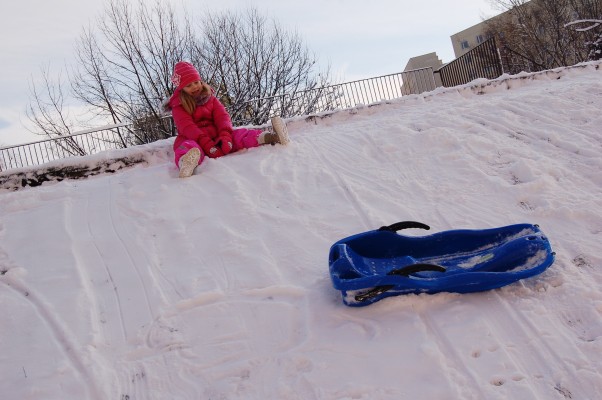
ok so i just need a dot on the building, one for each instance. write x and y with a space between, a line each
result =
532 36
529 37
413 82
469 38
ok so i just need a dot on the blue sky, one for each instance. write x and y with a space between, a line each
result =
357 38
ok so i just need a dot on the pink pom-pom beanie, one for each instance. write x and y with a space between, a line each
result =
184 73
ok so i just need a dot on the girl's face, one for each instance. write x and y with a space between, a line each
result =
193 89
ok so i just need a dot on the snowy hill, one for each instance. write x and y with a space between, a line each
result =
140 285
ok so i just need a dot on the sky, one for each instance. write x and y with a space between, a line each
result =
139 285
356 38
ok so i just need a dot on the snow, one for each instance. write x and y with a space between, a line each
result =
140 285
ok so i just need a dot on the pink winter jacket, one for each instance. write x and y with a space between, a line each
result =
209 125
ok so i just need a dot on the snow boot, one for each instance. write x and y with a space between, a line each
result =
268 137
280 130
188 162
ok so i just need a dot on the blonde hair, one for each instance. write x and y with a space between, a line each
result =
188 102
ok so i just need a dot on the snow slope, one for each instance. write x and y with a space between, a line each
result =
140 285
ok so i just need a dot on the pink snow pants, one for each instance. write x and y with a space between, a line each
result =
242 139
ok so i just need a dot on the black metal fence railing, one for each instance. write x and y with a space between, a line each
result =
340 96
481 62
78 144
514 62
418 81
344 95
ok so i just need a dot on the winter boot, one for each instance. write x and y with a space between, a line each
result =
280 129
188 162
268 137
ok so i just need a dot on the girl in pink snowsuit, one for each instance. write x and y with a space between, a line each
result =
204 126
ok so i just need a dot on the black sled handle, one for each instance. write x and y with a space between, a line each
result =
404 225
405 271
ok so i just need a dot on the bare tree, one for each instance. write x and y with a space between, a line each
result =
122 71
255 65
124 76
124 64
594 46
48 115
536 32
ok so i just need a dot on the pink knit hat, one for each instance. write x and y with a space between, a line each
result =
184 73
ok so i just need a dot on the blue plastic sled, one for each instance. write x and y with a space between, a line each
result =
373 265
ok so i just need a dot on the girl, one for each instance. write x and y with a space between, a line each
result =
204 126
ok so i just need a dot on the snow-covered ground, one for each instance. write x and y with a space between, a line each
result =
140 285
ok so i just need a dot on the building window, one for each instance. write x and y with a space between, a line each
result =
464 44
480 39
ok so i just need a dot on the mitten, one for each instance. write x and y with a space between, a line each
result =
215 152
224 142
226 146
211 148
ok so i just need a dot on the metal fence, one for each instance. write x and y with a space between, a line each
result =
79 144
481 62
340 96
515 62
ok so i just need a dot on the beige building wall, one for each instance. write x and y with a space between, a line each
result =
424 61
469 38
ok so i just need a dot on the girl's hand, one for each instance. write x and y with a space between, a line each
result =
211 148
215 152
224 142
226 146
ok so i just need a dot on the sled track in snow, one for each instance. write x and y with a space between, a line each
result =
59 332
123 243
454 363
115 257
351 197
107 271
536 352
544 352
529 363
111 261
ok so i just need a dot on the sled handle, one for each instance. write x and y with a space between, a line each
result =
405 271
404 225
410 269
